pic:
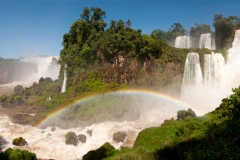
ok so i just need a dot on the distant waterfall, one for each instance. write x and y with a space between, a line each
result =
213 65
183 42
43 69
64 80
207 40
192 71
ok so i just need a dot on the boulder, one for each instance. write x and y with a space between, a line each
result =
71 139
89 132
119 136
82 138
53 129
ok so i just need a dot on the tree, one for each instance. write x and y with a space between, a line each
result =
175 30
225 29
159 34
182 114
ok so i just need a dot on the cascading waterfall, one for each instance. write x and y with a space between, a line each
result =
183 42
207 40
219 78
192 71
64 80
235 47
213 65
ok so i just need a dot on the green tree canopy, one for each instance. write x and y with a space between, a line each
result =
225 28
175 30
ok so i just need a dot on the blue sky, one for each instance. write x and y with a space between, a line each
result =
33 27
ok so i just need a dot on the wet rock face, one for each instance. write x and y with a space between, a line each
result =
71 139
119 136
82 138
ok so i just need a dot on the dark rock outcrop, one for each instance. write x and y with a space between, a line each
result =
53 129
89 132
82 138
71 139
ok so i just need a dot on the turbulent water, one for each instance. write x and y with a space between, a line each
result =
183 42
218 80
47 144
207 40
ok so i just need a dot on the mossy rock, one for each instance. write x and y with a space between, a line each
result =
119 136
71 138
19 142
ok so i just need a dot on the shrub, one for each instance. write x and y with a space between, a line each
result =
182 114
3 98
18 89
102 152
17 154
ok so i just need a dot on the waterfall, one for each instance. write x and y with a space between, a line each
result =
183 42
213 65
207 40
235 46
218 81
64 79
192 71
43 69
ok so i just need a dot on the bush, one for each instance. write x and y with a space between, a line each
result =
18 89
18 100
102 152
3 98
17 154
182 114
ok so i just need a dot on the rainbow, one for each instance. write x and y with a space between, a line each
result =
125 92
